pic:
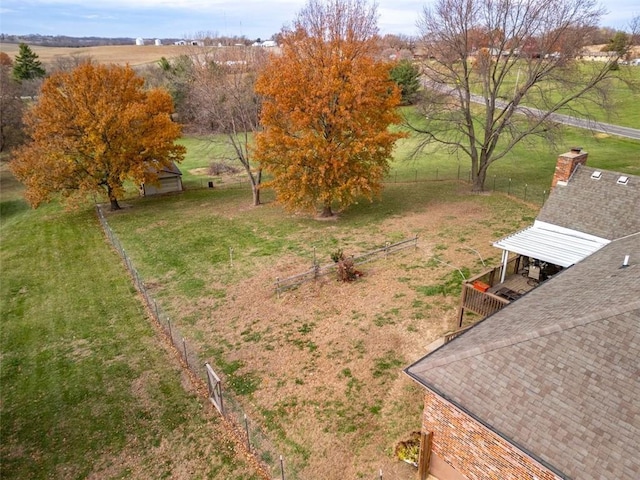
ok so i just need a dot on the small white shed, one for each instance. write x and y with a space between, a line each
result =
169 180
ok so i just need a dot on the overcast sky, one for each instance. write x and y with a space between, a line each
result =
188 18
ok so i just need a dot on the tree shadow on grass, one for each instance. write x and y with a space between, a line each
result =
8 208
401 199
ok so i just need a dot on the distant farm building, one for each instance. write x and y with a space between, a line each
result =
193 43
169 180
158 42
139 41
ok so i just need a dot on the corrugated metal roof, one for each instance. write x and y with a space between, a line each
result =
553 244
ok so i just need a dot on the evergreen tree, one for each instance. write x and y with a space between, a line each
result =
26 65
407 76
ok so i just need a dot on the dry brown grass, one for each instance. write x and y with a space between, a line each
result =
328 356
133 55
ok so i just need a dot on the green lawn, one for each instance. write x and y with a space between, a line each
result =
623 94
87 388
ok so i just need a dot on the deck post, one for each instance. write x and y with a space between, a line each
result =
463 297
505 260
424 458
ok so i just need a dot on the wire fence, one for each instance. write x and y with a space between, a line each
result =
255 440
494 183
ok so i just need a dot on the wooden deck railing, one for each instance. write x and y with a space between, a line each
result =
450 336
481 302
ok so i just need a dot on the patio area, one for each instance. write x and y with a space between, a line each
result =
485 294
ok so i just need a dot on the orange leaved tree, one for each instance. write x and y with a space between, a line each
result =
327 106
93 128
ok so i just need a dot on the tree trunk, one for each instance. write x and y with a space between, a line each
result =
112 199
255 187
326 211
478 183
256 195
479 178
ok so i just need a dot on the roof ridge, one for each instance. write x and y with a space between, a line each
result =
537 333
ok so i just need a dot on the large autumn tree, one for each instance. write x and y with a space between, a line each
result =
93 128
327 106
498 70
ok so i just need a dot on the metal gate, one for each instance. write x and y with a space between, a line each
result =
215 388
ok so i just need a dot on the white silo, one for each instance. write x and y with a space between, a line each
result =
158 42
139 41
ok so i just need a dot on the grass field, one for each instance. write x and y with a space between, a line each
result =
87 388
134 55
529 166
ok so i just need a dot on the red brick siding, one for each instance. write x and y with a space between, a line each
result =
472 449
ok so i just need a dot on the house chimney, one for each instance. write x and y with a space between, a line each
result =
566 164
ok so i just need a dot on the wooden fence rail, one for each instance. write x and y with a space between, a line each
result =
283 284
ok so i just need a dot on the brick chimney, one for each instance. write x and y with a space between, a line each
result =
566 164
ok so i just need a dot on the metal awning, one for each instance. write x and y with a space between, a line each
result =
551 243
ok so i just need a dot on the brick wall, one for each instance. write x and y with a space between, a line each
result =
566 164
473 450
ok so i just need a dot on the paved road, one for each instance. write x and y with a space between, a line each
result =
597 126
608 128
575 121
582 123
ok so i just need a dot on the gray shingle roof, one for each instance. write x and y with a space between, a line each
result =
558 371
598 207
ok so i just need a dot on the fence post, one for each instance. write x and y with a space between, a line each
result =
544 195
509 191
525 192
282 467
246 427
316 267
184 347
170 332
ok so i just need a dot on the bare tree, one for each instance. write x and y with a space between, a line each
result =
223 101
70 62
498 69
11 107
